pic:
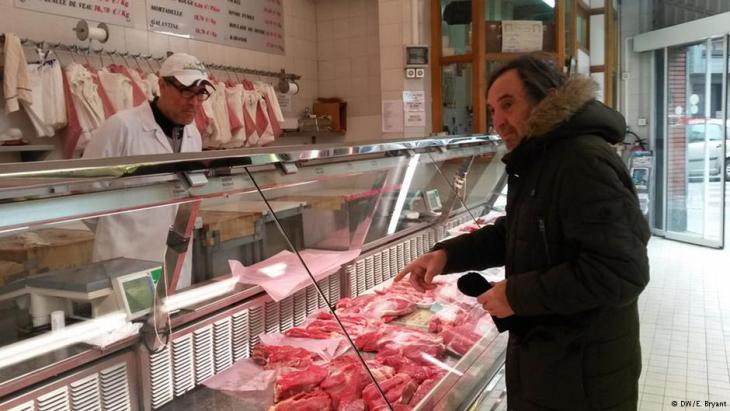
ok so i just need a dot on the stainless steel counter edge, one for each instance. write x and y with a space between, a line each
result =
62 170
84 355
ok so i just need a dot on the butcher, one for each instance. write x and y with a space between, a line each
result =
161 126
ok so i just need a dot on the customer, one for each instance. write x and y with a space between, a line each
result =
162 126
573 243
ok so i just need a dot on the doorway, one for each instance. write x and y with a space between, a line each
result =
691 141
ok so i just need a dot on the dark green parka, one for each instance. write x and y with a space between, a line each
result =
573 244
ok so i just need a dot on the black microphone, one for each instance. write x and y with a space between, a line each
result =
474 284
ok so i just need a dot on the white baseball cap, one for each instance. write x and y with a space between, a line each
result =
186 69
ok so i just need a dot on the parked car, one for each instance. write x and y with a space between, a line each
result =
718 163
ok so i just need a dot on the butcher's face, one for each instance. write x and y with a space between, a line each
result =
510 108
180 102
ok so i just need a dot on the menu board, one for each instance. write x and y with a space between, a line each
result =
250 24
118 12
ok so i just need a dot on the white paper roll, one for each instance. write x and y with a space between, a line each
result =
97 33
58 320
293 88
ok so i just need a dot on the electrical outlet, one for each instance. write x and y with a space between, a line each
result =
641 121
625 75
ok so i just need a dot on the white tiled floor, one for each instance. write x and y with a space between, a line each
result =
685 327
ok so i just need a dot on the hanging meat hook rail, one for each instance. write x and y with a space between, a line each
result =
86 51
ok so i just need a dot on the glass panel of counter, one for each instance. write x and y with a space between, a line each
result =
416 346
68 286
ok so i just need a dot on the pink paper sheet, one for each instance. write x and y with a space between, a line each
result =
249 383
326 349
282 274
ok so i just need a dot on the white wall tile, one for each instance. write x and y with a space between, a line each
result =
343 87
391 34
359 87
357 27
358 46
392 80
136 41
359 66
391 57
391 12
327 88
359 8
342 68
357 106
341 50
341 29
340 10
325 11
325 30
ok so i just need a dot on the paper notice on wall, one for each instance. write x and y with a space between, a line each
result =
117 12
414 101
521 36
284 102
392 116
415 119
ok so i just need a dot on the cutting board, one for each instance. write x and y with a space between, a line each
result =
51 249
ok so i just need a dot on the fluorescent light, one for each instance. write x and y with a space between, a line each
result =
198 294
50 341
169 33
433 360
407 179
550 3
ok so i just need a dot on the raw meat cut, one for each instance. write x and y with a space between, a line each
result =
406 290
305 333
296 382
447 293
275 356
325 326
403 365
450 315
382 306
316 400
347 377
357 405
459 339
380 372
423 390
398 390
408 342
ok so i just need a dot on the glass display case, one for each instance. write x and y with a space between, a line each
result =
244 279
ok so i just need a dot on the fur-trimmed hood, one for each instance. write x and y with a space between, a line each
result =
573 108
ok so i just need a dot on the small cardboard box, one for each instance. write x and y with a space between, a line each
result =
336 109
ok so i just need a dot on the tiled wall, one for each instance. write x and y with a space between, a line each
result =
300 28
348 56
395 32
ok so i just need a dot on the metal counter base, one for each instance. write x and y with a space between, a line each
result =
203 398
466 388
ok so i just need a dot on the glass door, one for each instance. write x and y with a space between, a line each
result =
695 127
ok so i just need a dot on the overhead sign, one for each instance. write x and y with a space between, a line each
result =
249 24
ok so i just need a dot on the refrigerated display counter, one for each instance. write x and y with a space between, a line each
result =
293 254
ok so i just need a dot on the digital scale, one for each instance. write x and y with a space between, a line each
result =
425 202
120 284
